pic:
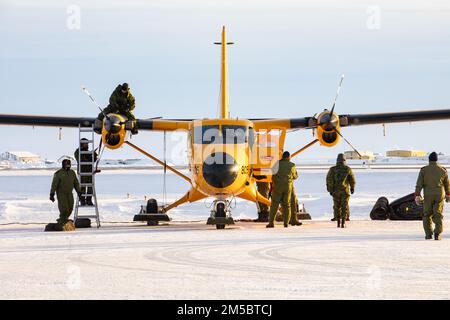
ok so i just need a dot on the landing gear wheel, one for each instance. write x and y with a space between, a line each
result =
152 206
221 214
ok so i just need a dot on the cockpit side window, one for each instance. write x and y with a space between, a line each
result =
251 137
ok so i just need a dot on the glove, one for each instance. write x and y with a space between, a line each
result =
447 198
352 191
52 197
417 200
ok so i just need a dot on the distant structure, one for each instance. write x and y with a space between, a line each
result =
20 156
365 155
406 153
4 164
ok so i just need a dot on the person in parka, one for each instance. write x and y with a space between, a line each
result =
64 181
283 178
340 184
121 102
433 179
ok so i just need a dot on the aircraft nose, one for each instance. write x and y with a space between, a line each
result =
220 169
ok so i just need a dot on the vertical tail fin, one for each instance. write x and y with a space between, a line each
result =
224 112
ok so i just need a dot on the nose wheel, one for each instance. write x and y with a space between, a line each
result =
220 214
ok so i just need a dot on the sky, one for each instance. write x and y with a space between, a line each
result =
286 62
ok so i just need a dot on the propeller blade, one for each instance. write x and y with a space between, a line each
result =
348 142
330 117
93 100
337 94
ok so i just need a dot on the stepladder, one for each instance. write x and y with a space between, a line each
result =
86 206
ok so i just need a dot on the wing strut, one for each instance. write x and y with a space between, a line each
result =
304 148
164 165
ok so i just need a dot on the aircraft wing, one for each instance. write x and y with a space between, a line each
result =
393 117
156 124
356 119
47 121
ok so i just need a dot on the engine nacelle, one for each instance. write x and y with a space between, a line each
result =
326 132
113 131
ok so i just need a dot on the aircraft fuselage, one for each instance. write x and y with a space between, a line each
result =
219 152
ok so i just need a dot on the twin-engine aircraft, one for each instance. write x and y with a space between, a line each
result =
227 155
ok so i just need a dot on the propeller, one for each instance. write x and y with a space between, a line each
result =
93 101
329 122
337 94
348 142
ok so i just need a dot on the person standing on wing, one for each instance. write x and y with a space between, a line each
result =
121 102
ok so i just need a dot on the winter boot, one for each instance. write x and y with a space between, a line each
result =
262 217
89 201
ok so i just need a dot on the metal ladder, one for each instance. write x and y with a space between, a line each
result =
89 134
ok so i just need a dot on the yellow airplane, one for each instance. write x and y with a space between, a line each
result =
227 155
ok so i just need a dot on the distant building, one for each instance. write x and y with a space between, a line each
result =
406 153
366 155
20 156
4 164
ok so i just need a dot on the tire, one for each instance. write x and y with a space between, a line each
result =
381 209
152 206
220 213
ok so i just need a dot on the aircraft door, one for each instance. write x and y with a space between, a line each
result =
266 152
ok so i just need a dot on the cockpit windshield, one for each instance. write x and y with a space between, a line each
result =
220 134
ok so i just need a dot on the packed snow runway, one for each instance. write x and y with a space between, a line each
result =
382 259
189 260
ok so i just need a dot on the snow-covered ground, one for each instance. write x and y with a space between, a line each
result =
368 260
187 259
